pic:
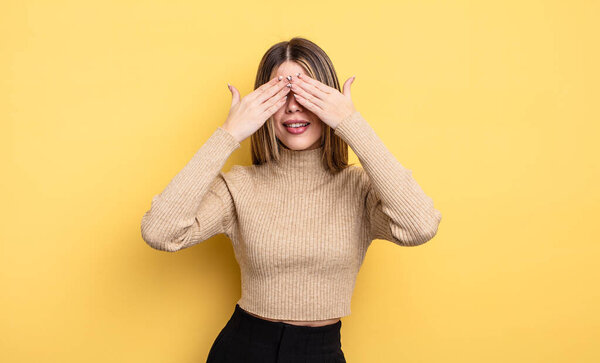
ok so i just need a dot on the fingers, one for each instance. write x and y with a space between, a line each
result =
276 98
274 82
272 90
303 79
308 104
275 104
309 96
346 89
235 94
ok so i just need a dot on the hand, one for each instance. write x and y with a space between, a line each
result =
250 113
326 102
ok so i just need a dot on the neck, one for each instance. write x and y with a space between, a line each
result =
301 161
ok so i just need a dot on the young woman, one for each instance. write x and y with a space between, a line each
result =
300 218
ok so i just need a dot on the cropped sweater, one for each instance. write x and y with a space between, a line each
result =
299 233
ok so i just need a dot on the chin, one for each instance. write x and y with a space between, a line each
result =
299 144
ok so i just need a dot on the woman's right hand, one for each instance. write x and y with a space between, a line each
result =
250 113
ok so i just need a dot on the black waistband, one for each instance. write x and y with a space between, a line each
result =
318 339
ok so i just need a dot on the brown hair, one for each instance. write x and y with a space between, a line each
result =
264 144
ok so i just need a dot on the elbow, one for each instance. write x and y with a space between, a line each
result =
431 229
415 239
425 235
418 236
156 238
159 243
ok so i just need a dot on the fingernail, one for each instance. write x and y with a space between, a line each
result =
229 86
280 78
289 78
289 85
298 74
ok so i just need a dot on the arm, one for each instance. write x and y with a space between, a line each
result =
196 204
398 209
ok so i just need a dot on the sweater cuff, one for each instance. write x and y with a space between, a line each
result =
353 127
225 139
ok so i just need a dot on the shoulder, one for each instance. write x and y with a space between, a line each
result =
357 171
237 172
355 177
238 175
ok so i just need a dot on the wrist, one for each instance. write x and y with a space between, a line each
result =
235 137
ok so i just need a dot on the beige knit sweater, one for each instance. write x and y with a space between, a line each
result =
299 233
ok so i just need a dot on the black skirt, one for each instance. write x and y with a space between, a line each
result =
247 338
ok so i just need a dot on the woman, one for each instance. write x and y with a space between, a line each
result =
300 218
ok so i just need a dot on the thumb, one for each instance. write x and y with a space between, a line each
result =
235 94
346 88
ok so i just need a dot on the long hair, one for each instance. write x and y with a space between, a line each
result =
264 143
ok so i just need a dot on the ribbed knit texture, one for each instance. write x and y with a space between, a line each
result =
299 233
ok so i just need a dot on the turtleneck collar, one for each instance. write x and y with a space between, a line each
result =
303 161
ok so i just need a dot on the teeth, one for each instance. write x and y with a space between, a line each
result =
297 124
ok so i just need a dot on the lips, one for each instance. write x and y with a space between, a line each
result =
295 121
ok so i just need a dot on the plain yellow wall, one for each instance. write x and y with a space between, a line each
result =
493 105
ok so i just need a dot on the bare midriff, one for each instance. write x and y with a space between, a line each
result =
300 322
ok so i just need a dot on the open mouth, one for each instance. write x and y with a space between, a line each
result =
297 124
296 127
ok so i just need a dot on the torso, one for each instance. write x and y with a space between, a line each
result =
300 322
251 243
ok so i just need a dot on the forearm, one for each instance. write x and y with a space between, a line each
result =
402 199
176 207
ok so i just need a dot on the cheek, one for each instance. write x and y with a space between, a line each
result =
278 115
318 127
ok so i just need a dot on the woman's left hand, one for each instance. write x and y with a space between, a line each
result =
326 102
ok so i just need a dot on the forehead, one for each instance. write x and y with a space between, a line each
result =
288 68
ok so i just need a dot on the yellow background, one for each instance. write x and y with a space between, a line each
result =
493 105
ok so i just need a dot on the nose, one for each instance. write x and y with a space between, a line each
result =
292 103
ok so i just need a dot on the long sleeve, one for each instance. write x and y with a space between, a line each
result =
398 209
196 204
